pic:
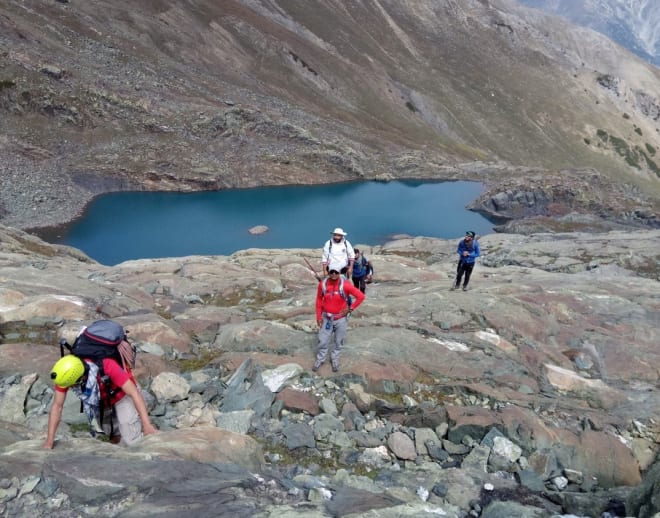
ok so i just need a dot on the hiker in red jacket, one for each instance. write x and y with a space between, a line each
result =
332 310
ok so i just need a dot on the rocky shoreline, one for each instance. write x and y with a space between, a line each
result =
520 202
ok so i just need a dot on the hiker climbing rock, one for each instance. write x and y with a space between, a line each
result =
338 254
468 251
101 381
363 271
332 310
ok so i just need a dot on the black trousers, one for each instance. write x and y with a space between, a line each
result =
360 283
463 268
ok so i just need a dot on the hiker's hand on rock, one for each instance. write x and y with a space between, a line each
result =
150 429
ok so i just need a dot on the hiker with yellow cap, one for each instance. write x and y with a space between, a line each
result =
104 385
338 254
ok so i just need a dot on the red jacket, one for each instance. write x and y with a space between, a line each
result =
332 301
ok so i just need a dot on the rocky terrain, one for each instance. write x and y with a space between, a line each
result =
96 97
535 393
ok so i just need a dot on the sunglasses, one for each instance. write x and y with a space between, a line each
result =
333 272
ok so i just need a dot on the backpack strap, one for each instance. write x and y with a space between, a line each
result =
324 287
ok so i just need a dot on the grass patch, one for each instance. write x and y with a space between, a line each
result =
79 427
235 298
623 149
650 163
306 458
602 134
650 149
7 83
638 131
195 364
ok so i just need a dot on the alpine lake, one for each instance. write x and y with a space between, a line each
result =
121 226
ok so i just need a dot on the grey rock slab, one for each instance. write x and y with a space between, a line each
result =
246 391
298 435
402 446
512 510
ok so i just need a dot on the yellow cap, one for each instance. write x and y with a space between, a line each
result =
67 371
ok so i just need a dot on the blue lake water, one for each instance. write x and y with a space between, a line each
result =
133 225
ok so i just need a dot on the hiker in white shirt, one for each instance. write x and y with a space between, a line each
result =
338 254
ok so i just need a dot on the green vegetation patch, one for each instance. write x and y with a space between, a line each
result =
198 363
649 162
650 149
7 83
638 131
602 134
235 298
622 148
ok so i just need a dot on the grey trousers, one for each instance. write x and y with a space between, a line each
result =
125 420
338 328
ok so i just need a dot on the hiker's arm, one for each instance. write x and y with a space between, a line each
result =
325 259
54 418
132 391
359 298
319 304
350 252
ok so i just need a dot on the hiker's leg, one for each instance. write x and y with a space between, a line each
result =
323 340
356 282
363 284
110 425
459 274
468 271
341 326
129 421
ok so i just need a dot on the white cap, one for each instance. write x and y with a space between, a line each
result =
339 231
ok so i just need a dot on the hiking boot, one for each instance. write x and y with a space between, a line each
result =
335 366
465 288
317 366
453 287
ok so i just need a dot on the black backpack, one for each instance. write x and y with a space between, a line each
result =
99 341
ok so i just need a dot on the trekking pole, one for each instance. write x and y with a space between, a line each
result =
318 277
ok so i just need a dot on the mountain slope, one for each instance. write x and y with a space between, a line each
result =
99 96
634 24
